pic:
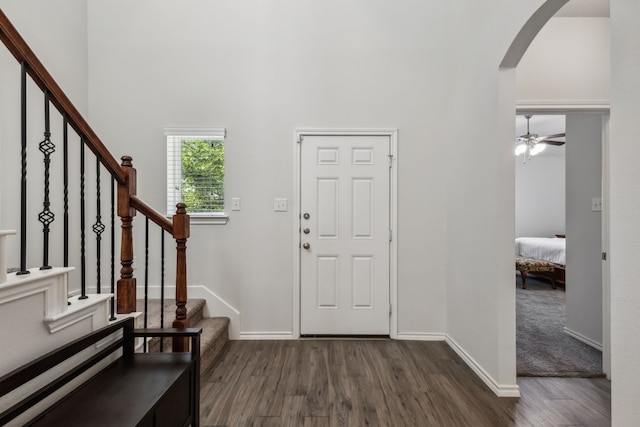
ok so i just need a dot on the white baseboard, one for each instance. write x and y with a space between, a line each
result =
421 336
257 335
216 306
501 390
588 341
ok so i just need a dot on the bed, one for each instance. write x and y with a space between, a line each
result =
542 256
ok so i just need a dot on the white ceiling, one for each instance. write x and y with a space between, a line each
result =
584 8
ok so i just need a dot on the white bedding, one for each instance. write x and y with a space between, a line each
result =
550 249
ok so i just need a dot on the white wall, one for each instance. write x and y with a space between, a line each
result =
480 201
540 194
566 64
625 205
584 267
260 70
57 33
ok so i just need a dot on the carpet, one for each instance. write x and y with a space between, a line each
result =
543 349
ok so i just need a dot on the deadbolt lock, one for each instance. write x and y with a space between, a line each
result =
306 231
306 215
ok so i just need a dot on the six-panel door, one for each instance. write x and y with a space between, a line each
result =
344 232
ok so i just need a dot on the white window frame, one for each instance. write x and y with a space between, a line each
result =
174 164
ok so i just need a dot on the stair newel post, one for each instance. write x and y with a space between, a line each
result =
181 234
126 287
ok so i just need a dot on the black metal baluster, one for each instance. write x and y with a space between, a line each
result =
23 181
98 229
65 173
146 276
113 251
46 217
162 285
83 270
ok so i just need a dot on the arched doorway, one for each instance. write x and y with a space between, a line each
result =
507 101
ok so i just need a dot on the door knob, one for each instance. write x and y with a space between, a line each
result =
306 216
306 231
306 245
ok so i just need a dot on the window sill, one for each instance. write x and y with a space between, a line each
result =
200 219
209 219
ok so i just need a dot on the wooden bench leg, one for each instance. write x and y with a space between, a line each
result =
523 273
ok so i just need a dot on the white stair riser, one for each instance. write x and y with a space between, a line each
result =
35 305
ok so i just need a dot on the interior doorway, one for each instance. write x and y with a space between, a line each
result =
558 194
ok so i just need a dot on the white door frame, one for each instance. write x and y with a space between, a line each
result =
298 135
606 266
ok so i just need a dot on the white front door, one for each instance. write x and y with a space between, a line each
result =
344 234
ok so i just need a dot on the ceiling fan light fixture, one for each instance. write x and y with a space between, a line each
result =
531 144
537 148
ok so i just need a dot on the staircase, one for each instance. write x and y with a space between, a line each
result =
215 330
38 314
64 318
111 195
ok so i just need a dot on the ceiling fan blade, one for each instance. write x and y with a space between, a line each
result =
556 135
549 142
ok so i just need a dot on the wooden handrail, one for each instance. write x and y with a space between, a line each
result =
21 51
151 213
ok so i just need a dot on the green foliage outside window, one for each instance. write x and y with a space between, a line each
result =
203 175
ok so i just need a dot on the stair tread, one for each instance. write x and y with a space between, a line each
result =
212 327
194 310
215 335
215 330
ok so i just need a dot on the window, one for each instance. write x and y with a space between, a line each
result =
195 171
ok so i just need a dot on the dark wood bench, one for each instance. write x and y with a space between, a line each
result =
137 389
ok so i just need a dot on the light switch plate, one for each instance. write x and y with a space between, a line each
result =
235 204
280 205
596 204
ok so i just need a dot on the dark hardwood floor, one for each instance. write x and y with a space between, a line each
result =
382 383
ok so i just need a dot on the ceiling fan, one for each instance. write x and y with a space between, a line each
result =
531 144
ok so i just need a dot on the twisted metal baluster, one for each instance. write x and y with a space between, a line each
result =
98 228
46 217
65 175
65 172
